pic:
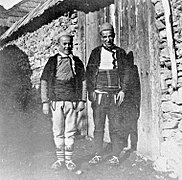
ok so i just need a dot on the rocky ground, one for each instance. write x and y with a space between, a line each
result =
27 151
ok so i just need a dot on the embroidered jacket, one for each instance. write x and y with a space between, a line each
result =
93 69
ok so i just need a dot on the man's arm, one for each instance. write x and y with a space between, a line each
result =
126 72
83 90
44 91
91 75
45 88
81 104
124 76
44 97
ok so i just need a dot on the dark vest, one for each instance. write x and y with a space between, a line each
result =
64 83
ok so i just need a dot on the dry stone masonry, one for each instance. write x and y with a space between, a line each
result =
171 101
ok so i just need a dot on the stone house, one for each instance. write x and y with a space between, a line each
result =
151 29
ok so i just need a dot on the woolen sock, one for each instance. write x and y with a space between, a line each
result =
68 155
60 155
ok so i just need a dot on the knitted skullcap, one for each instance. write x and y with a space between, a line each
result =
64 33
58 35
106 26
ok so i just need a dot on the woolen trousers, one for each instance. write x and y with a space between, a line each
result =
102 107
64 123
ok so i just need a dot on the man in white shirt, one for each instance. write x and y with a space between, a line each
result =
107 80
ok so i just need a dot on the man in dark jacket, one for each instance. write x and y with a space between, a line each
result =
107 79
63 89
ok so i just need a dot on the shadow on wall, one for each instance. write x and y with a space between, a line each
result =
130 108
15 82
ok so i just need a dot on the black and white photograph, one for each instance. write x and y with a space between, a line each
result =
90 89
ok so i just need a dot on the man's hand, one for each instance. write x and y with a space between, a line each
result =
120 97
81 106
45 108
92 96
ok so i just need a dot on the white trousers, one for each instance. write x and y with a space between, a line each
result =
64 119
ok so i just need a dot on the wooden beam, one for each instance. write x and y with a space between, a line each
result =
168 19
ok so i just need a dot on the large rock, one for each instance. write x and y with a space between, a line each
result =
167 74
174 116
169 106
179 52
159 9
160 25
165 97
163 34
170 124
176 97
165 53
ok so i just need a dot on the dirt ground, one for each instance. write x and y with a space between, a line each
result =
27 152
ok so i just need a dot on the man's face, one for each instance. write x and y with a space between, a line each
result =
65 45
107 38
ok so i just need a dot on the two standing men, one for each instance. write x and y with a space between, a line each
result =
63 85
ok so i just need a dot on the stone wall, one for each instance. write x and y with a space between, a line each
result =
171 102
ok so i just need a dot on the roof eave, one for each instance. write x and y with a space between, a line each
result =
47 12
